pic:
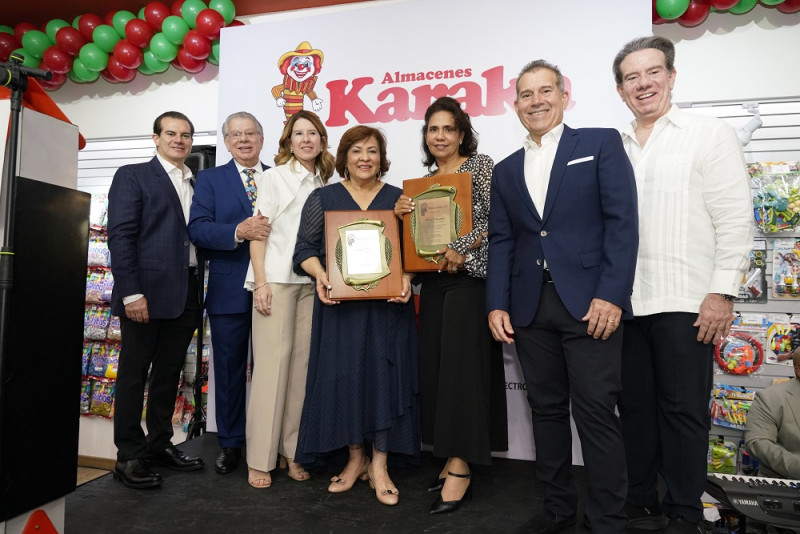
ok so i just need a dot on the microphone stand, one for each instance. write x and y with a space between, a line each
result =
14 76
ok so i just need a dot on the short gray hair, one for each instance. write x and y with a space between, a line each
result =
241 115
539 64
643 43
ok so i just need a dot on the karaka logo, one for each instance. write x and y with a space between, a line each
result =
300 68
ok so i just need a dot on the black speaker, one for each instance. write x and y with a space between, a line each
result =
201 157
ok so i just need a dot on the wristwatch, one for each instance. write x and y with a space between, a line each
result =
729 298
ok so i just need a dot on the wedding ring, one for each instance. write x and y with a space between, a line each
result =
612 321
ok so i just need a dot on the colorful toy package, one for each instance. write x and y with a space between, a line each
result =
754 283
786 268
742 351
730 405
102 402
775 187
95 321
782 331
98 251
721 456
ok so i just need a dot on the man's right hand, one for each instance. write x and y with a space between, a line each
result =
255 228
136 311
500 325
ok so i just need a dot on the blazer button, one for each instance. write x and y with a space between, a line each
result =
185 243
538 261
543 233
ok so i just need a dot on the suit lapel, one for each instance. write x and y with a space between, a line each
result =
163 180
519 183
234 179
565 147
793 399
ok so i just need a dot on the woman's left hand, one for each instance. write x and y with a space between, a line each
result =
406 294
451 262
262 299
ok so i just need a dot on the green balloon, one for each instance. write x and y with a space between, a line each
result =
93 57
672 9
144 69
152 63
81 73
771 2
214 56
141 14
75 22
35 42
189 11
6 29
120 19
743 7
175 29
29 60
53 26
162 48
228 10
105 37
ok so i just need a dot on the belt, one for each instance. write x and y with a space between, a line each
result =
546 277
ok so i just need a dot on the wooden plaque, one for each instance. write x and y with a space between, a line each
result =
462 183
354 222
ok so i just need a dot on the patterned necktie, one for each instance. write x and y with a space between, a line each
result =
250 186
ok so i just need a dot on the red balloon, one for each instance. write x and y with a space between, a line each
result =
155 13
723 4
107 76
21 28
57 60
189 63
138 32
87 23
789 6
8 43
177 64
70 40
196 45
235 22
695 14
57 81
209 22
176 8
109 18
120 71
127 54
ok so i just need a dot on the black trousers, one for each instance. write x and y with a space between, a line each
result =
562 363
162 344
666 378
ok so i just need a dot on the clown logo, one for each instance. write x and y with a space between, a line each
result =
299 68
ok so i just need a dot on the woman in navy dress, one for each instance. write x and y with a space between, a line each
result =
361 388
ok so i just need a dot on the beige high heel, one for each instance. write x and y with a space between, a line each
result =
389 497
340 485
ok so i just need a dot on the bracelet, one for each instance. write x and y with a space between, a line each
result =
259 287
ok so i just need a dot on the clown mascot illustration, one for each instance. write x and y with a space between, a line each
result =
299 68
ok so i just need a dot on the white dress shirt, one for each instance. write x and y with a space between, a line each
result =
695 212
539 165
257 177
282 193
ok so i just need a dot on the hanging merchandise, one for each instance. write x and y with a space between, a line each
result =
742 351
729 405
786 268
754 283
782 332
776 195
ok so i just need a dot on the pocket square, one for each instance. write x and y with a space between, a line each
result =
580 160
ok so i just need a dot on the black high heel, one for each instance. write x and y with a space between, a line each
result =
437 484
442 507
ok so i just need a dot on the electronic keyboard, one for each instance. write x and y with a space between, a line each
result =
775 501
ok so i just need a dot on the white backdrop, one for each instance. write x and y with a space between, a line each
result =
369 47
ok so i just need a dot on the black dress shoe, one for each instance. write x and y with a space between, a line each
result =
646 517
437 484
227 460
176 459
440 506
135 474
547 523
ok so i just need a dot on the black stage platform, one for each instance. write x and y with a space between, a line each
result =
505 496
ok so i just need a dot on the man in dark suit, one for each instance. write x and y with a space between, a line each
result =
223 224
562 254
157 296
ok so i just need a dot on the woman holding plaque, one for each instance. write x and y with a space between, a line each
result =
362 371
283 300
462 382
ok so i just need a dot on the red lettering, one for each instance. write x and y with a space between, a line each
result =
497 93
396 109
342 101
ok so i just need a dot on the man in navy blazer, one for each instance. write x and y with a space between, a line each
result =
222 223
157 297
562 253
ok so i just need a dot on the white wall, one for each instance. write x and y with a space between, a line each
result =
729 57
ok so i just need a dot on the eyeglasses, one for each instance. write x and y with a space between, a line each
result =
250 134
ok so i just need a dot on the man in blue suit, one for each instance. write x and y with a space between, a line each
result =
157 297
562 253
223 224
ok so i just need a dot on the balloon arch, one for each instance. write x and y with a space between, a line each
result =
691 13
117 46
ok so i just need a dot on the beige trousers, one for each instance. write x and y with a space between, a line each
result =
280 362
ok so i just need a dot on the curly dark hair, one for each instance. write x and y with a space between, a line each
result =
353 136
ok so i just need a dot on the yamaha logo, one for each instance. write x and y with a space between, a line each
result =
745 502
